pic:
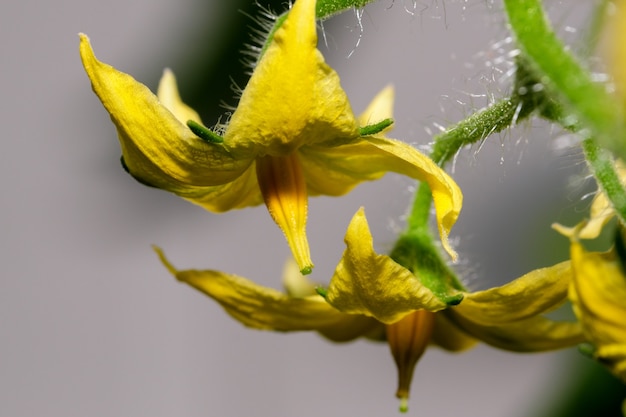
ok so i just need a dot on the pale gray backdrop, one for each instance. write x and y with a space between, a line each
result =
91 324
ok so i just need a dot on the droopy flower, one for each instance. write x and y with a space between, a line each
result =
598 294
598 287
372 296
292 135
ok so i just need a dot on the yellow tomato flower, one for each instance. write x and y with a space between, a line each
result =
372 296
292 135
598 288
598 294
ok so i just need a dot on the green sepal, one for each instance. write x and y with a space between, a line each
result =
417 252
587 349
203 133
375 128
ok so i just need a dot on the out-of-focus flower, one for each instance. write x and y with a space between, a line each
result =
598 288
292 135
372 296
598 294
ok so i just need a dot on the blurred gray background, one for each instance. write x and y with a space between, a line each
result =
91 324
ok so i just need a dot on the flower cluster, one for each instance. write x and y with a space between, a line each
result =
294 135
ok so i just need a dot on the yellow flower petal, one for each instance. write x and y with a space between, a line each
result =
268 309
158 149
534 334
535 293
601 213
450 337
170 98
293 98
598 293
285 194
614 357
374 285
335 171
296 284
242 192
508 317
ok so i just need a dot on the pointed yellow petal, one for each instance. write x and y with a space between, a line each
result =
530 335
284 191
297 285
535 293
158 149
293 98
374 285
598 293
335 171
268 309
170 98
600 214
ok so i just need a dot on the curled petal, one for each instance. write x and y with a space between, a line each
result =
335 171
600 214
268 309
535 293
374 285
158 149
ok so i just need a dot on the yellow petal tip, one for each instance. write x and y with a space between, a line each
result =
164 260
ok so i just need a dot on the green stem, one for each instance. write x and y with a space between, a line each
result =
418 253
563 76
415 245
324 9
474 129
603 166
327 8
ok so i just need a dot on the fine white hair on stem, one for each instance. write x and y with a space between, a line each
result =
358 13
263 22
